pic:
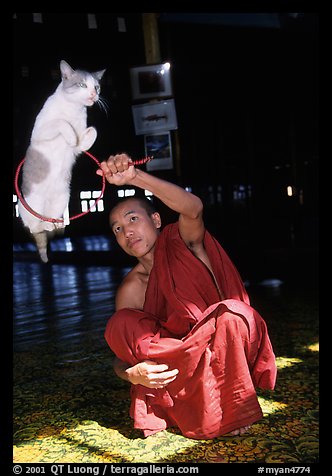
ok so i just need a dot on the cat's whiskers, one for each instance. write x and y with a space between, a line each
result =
103 104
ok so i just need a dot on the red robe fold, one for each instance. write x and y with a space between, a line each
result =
219 344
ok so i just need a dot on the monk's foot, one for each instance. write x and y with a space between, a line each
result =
240 431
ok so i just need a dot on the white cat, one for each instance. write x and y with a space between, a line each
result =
59 135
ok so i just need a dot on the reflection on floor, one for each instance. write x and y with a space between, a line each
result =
69 406
70 244
61 302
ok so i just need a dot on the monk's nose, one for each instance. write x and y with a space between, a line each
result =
128 232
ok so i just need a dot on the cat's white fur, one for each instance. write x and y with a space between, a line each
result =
59 135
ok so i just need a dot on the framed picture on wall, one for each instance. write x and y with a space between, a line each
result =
151 81
160 147
154 116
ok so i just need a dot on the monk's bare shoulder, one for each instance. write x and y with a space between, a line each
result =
131 292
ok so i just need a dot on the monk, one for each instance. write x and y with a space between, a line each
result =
183 332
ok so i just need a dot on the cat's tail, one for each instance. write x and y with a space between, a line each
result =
41 242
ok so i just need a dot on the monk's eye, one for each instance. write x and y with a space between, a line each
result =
133 218
81 85
116 230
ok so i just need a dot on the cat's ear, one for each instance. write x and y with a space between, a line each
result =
66 70
99 74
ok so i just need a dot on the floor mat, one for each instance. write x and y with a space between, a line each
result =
70 407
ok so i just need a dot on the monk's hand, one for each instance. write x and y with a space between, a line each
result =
151 375
117 169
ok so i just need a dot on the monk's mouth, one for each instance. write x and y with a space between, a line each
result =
133 243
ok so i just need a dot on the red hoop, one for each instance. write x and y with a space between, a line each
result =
61 220
56 220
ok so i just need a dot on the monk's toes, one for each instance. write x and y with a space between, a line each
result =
240 431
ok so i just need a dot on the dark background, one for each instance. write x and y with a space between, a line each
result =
246 93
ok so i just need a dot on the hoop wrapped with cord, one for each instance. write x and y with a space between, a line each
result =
79 215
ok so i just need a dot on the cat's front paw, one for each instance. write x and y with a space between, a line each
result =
69 133
87 139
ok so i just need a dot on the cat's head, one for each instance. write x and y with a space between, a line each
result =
80 86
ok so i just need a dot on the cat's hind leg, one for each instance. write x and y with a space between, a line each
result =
57 209
36 229
41 242
32 222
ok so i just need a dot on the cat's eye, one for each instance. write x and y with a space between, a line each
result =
82 85
97 88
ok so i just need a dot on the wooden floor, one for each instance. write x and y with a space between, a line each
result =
75 295
63 302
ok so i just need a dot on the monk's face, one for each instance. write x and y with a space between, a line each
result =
135 230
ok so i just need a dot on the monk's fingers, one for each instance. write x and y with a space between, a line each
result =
114 164
158 375
163 377
121 162
153 367
168 374
163 384
169 380
171 374
104 170
110 163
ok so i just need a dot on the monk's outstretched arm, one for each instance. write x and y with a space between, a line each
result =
118 171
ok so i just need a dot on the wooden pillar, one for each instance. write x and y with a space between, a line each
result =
151 38
152 56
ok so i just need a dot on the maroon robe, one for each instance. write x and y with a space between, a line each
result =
220 345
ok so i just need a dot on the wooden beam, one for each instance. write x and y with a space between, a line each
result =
152 56
151 38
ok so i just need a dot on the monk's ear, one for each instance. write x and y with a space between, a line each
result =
156 219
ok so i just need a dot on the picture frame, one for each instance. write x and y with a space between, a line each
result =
159 146
154 116
151 81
